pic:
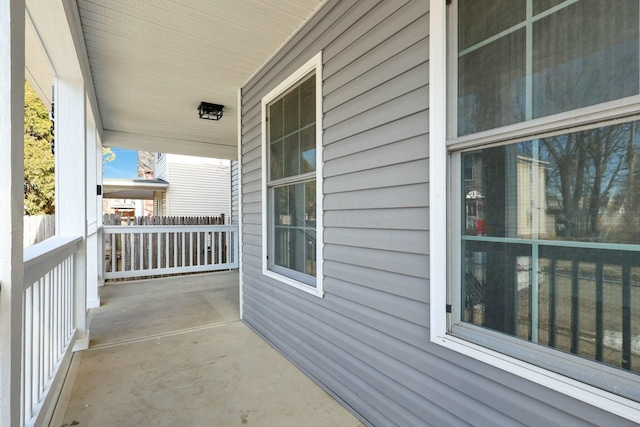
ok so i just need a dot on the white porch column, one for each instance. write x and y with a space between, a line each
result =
71 188
99 210
93 264
11 206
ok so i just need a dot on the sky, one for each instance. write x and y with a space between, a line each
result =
125 164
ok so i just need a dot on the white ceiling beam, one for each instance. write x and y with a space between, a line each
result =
169 145
57 25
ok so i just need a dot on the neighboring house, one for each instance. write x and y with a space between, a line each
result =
198 186
132 197
362 259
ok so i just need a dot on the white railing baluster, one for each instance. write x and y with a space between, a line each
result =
46 349
130 254
141 251
122 252
27 377
71 296
182 235
35 380
199 249
55 314
158 251
113 253
40 347
149 238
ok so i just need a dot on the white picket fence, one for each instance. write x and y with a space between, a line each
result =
153 250
48 324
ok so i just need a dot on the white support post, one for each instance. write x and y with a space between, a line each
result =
93 219
11 207
71 189
100 259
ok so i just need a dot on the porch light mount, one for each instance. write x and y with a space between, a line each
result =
209 111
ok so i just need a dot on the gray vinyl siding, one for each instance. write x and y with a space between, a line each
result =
235 219
367 341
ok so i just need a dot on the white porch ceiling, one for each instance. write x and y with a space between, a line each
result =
38 70
153 61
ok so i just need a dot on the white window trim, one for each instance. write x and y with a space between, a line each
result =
312 65
440 245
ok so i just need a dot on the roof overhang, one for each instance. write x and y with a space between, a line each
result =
147 66
134 189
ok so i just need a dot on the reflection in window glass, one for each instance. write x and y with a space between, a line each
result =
292 185
292 132
492 76
295 227
482 19
579 186
602 67
532 212
542 5
580 54
496 286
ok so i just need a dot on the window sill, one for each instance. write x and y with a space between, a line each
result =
317 291
591 395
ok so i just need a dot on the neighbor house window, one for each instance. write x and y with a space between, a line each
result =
292 145
544 150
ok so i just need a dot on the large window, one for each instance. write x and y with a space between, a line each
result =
292 197
543 144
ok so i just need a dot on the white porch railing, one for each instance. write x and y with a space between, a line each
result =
150 250
48 326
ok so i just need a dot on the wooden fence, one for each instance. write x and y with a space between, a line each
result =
112 219
38 228
168 245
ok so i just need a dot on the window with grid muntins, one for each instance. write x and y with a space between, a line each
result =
292 181
547 262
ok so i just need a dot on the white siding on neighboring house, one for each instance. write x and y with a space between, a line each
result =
160 170
198 186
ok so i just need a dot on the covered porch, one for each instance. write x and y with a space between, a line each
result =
173 351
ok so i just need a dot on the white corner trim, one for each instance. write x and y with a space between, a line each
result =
438 167
312 65
240 221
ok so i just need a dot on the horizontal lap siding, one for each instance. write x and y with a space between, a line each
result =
367 341
234 192
198 189
160 170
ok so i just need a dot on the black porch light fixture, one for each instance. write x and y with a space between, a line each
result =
209 111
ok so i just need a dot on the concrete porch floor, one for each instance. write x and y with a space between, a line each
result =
168 352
